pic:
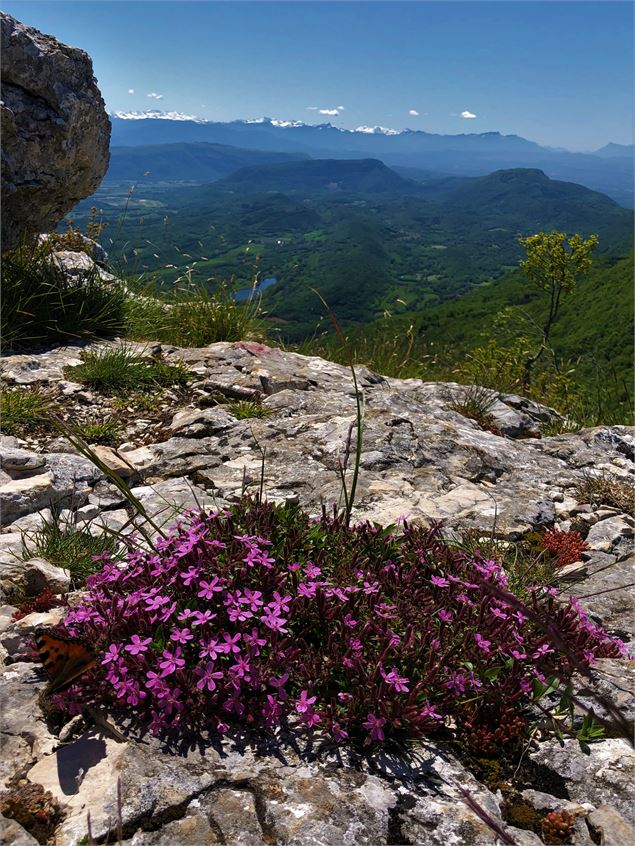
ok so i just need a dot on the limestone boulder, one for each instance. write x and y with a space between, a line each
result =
55 130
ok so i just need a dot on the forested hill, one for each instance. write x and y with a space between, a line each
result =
358 176
366 250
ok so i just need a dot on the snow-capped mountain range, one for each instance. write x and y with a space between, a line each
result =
469 154
155 114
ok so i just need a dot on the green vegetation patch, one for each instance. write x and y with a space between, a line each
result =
42 304
70 546
191 316
118 369
243 409
22 410
106 432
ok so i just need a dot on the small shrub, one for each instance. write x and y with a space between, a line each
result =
42 304
34 808
67 545
108 432
119 369
477 403
22 410
263 616
605 490
73 239
243 409
566 547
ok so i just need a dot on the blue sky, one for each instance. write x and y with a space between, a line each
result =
560 73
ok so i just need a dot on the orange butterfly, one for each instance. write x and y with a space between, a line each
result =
64 657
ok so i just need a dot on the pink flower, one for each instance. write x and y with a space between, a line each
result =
208 676
254 641
137 645
231 642
393 678
279 684
482 643
304 703
208 589
339 733
428 712
310 718
172 662
212 649
189 576
272 621
439 581
202 617
374 725
181 635
543 649
112 654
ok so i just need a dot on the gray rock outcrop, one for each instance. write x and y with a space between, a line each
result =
55 130
420 457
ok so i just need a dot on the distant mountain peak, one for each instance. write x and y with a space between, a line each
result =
377 130
155 114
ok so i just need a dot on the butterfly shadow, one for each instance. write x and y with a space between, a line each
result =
77 758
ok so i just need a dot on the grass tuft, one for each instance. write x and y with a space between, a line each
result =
477 403
72 547
107 432
119 369
42 304
22 410
243 409
605 490
192 316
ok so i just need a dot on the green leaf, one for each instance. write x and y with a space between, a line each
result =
590 729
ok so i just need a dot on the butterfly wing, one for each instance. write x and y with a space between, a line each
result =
64 658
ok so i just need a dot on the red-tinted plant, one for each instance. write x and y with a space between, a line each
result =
34 808
487 732
44 601
263 616
558 827
566 547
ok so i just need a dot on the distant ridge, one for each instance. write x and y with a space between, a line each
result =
613 151
472 154
362 176
197 162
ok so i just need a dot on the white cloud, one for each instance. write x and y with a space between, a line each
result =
331 112
154 96
340 108
131 91
413 112
468 115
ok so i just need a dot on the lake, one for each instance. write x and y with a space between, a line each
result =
245 293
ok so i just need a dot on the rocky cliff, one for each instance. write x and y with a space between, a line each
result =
55 130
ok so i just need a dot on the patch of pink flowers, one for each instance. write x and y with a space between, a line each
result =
265 617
